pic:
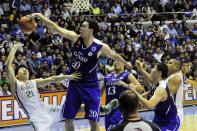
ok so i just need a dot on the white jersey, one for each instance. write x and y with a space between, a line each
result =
28 96
178 97
41 116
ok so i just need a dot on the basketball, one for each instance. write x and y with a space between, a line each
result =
27 25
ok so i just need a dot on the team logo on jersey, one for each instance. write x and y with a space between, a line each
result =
90 54
93 49
121 77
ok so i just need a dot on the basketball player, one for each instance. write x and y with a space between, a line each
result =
165 109
114 84
178 70
175 83
41 116
129 106
86 52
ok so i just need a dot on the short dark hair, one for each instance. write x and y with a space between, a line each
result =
164 69
21 66
93 25
128 102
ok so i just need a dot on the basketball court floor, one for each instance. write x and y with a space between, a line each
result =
189 123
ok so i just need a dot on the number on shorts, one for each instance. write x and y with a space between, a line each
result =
93 114
111 127
111 90
29 94
76 65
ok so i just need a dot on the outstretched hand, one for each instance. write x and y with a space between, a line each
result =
75 76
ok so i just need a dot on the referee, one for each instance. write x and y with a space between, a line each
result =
129 104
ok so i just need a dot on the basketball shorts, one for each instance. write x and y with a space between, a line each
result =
112 119
43 120
81 93
172 124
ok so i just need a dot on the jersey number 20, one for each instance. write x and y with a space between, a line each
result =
76 65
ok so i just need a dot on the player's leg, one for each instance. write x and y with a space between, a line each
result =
71 106
42 123
69 124
94 125
91 98
112 119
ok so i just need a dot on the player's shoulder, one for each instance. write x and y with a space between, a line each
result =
162 83
98 41
109 75
175 77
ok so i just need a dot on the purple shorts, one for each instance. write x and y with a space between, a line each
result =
79 93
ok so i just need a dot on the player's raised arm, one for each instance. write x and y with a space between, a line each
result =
71 35
145 74
106 50
57 78
9 68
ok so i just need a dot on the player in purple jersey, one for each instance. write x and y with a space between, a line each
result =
114 84
166 116
86 53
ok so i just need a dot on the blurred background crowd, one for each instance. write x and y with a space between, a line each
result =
122 27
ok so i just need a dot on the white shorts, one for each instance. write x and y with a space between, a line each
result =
43 120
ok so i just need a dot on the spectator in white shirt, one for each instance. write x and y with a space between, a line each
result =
162 25
65 13
5 90
47 11
194 14
163 4
158 55
166 34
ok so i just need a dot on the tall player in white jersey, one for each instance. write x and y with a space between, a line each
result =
178 71
41 116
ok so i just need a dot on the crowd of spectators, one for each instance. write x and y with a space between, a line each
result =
46 53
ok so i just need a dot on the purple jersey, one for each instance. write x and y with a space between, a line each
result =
84 61
113 91
166 112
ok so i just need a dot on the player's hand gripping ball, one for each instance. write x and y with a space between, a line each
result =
27 24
